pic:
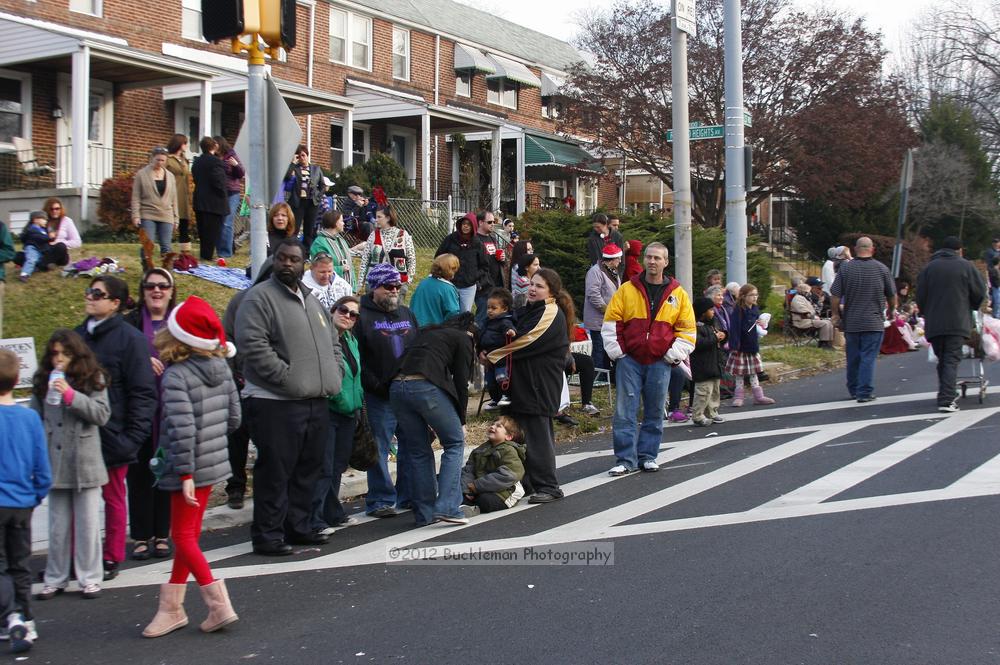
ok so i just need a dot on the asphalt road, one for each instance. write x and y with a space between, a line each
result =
815 531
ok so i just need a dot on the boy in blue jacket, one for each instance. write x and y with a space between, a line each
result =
36 241
24 481
497 331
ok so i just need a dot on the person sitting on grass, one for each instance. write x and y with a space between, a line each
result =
36 244
491 479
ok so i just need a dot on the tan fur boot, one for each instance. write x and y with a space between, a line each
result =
220 610
170 616
185 247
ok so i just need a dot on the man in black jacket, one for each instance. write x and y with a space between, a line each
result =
384 330
211 197
949 289
123 352
494 262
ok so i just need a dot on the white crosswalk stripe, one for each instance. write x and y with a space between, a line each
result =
609 521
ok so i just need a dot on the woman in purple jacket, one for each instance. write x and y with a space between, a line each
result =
234 179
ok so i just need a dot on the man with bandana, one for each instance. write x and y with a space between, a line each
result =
292 361
385 329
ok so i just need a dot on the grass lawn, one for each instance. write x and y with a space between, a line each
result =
48 301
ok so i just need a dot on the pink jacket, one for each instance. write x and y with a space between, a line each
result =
68 234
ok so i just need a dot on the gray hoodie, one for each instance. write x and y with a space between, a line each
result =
288 345
200 407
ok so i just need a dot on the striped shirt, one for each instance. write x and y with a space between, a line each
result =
864 285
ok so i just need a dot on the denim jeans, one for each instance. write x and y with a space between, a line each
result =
31 256
466 298
995 301
327 509
159 232
678 379
648 384
597 353
862 352
381 491
420 405
225 243
481 309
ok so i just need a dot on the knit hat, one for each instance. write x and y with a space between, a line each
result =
611 251
383 273
37 214
354 189
702 305
196 324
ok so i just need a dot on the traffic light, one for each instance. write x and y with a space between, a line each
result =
225 19
277 23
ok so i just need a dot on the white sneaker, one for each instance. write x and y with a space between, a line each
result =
948 408
504 401
328 531
491 406
620 470
590 409
718 419
32 633
470 511
17 633
650 465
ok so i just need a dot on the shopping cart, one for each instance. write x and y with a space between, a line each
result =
977 377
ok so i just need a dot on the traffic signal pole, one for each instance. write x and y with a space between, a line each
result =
736 197
257 162
682 259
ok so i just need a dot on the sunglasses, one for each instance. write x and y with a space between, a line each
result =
392 287
151 286
95 294
344 310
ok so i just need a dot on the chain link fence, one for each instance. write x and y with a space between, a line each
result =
427 221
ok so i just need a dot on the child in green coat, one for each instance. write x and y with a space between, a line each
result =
491 479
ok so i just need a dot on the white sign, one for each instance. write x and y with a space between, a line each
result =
282 136
684 16
24 347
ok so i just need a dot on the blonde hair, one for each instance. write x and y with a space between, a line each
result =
173 351
445 266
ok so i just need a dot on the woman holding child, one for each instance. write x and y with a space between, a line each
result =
539 353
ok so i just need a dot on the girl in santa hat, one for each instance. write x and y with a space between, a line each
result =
200 406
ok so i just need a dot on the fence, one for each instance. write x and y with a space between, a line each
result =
427 221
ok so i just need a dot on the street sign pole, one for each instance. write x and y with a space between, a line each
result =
681 150
736 202
905 180
256 129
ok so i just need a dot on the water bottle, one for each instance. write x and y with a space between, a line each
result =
54 396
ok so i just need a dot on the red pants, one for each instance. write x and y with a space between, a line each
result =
115 514
185 528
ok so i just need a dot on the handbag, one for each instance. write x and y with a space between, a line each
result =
364 453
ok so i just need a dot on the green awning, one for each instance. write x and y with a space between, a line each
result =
541 151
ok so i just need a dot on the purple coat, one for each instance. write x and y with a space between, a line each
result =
234 174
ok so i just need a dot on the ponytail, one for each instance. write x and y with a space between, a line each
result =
563 300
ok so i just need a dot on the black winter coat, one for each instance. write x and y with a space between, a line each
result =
123 352
473 269
707 359
537 373
211 193
382 339
444 356
949 288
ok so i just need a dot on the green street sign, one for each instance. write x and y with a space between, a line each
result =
701 132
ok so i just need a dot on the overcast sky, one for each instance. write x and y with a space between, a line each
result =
557 17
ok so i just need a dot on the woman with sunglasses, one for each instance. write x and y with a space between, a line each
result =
154 200
345 408
123 352
63 234
149 507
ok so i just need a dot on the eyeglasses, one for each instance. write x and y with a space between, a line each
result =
319 257
95 294
344 310
151 286
55 207
392 287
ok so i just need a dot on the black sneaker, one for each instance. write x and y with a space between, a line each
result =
565 419
235 501
110 570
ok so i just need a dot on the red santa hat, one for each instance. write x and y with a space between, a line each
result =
196 324
611 251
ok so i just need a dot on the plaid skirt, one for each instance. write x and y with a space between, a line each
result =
744 364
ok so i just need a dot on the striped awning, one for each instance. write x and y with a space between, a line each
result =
513 71
551 84
544 151
468 58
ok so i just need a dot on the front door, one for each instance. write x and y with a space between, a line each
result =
100 145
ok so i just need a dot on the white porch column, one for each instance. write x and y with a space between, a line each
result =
348 137
80 124
205 109
425 156
520 186
495 169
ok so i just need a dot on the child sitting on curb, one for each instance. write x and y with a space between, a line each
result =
491 479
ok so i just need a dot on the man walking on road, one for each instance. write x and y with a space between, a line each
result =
291 362
860 294
648 327
949 289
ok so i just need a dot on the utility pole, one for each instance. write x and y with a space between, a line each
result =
736 197
681 23
257 176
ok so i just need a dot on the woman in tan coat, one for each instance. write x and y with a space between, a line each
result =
177 164
154 200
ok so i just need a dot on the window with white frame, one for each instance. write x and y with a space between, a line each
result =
15 109
92 7
191 20
501 92
401 54
351 39
359 148
463 84
551 107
